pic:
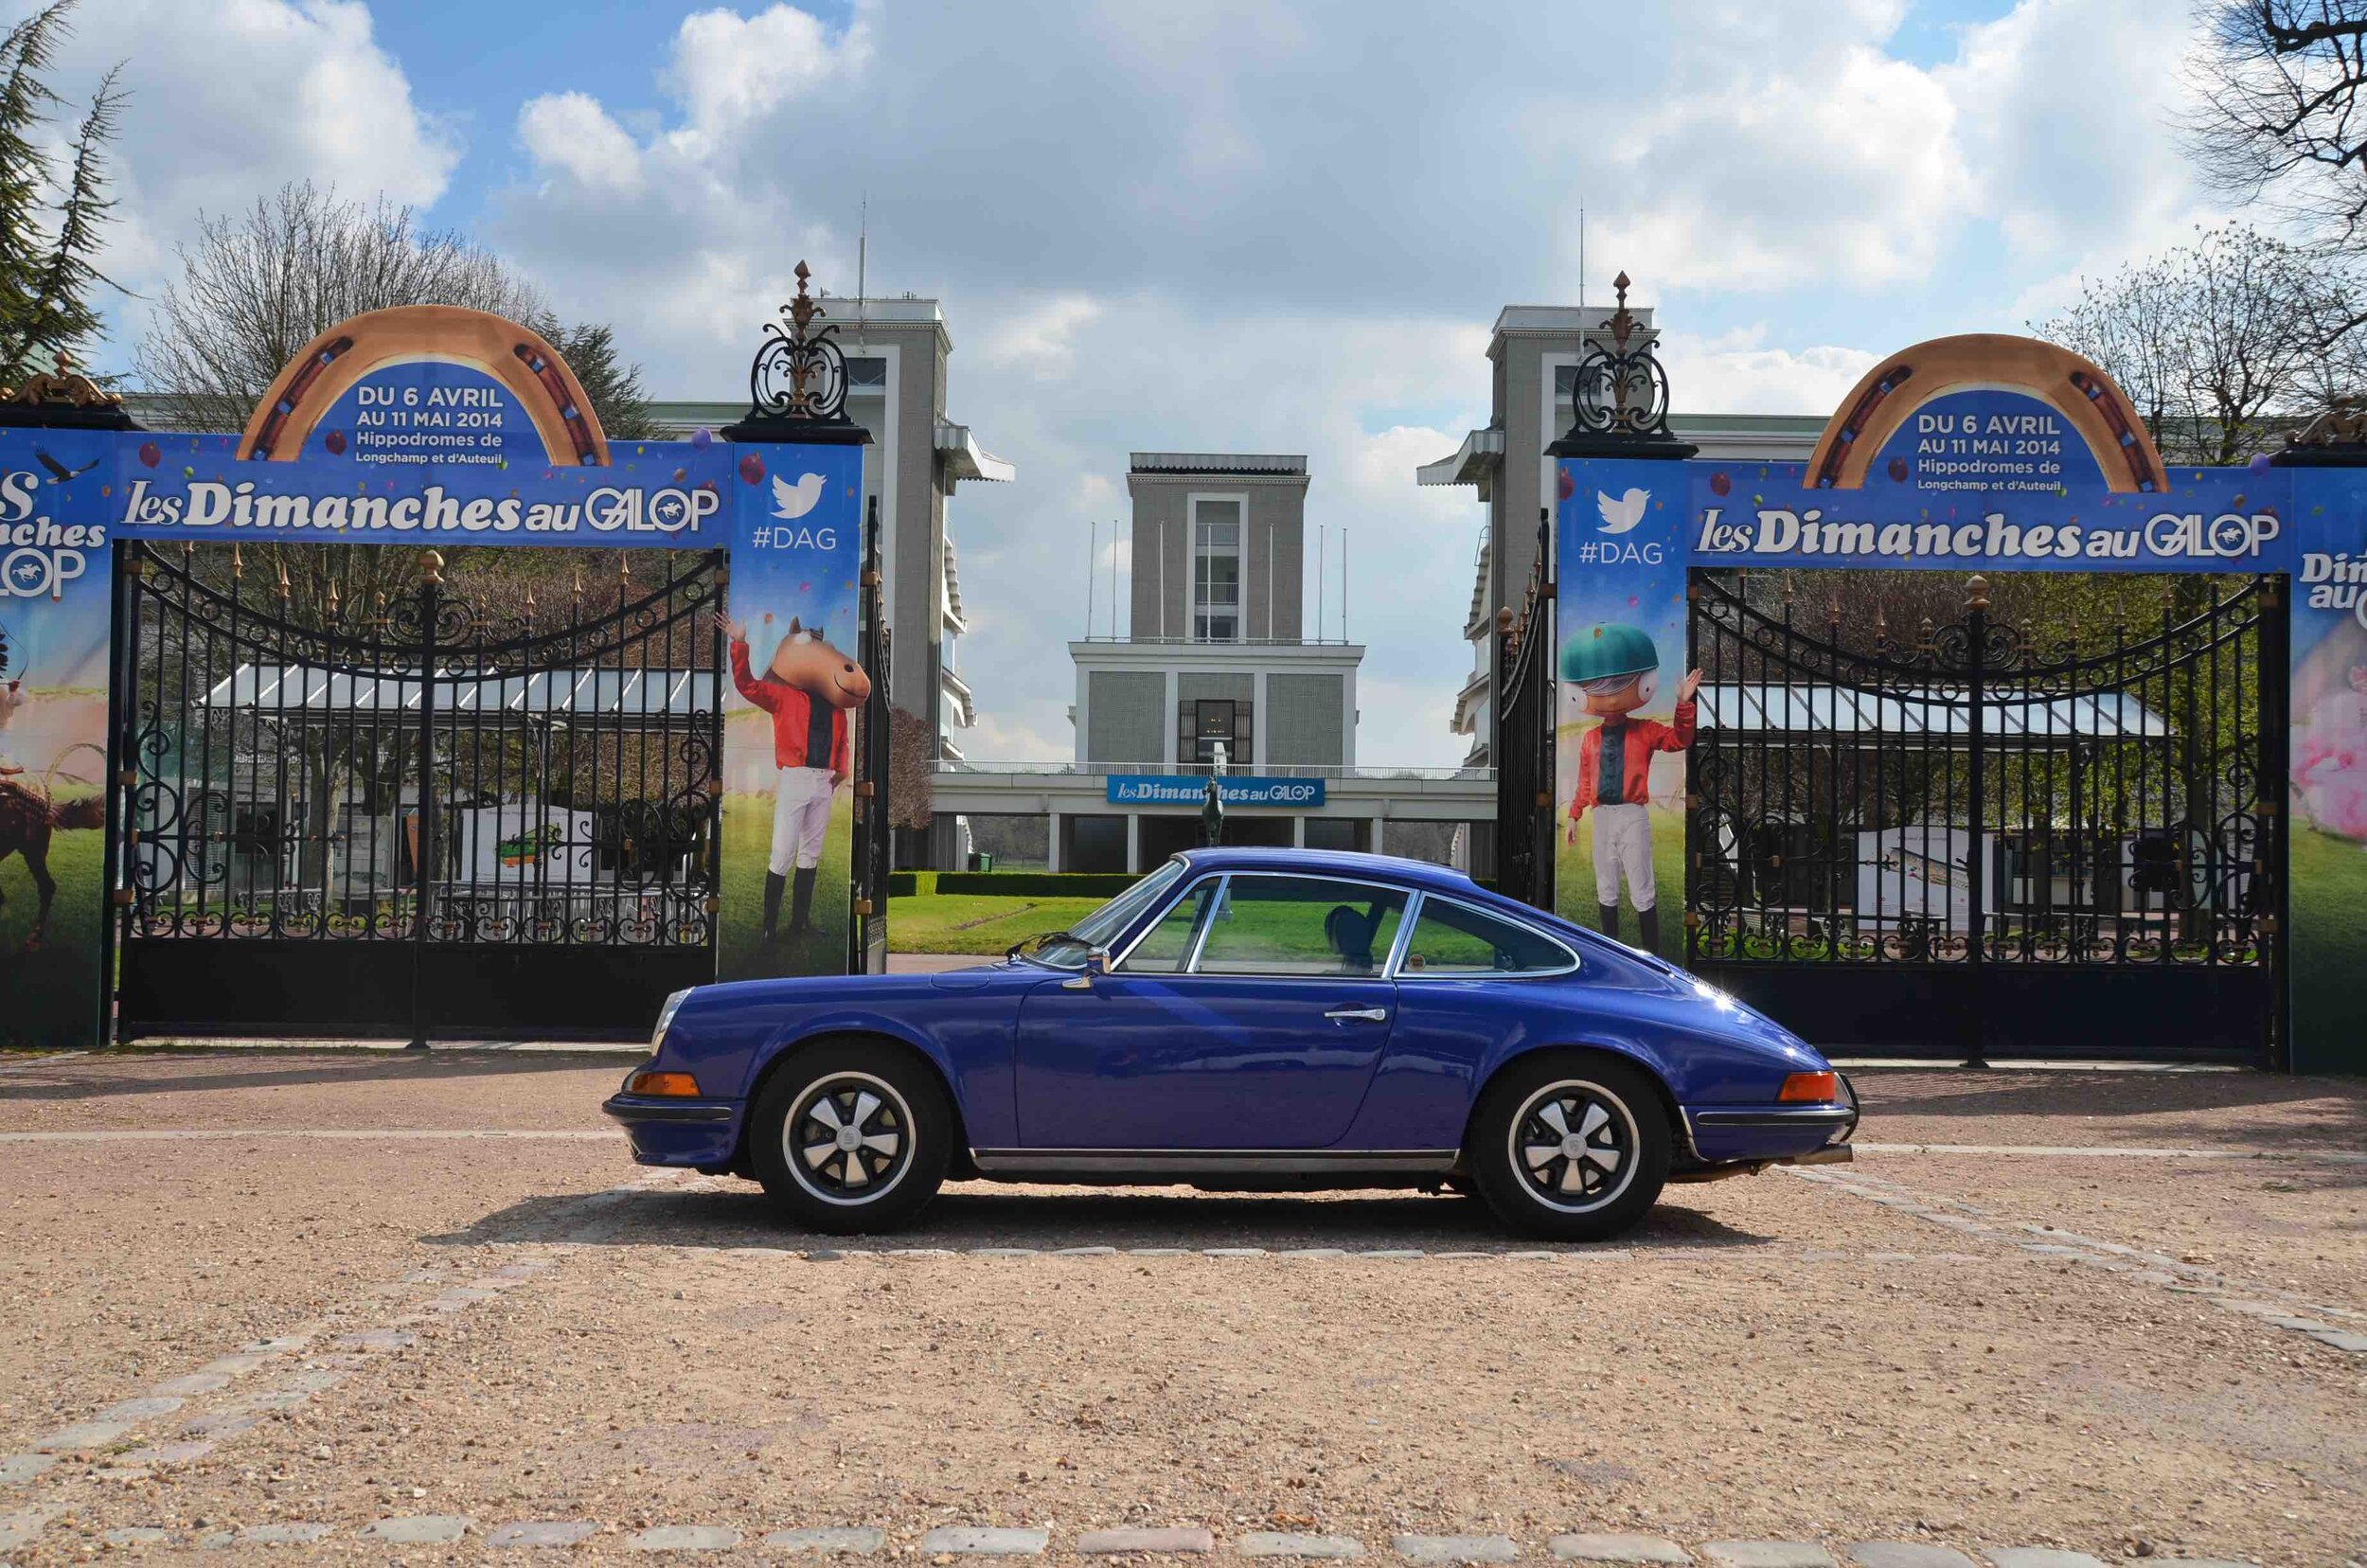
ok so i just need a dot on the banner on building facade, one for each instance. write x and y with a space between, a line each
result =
1970 455
789 714
55 597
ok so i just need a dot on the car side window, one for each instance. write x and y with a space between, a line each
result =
1167 947
1311 926
1450 939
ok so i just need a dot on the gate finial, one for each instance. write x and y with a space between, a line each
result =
1977 593
431 568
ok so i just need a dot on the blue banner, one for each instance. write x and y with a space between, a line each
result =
670 494
1296 794
55 600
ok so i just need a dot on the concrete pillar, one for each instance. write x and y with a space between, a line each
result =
1298 832
1134 843
1374 837
1052 844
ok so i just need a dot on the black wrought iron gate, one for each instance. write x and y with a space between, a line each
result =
436 813
1977 839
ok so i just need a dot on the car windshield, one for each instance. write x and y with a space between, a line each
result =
1069 949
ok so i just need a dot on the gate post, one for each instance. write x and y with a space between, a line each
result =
1976 867
424 858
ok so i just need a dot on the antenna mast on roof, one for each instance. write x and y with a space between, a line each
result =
1092 547
1581 265
862 257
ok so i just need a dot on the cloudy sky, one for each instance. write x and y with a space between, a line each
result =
1226 224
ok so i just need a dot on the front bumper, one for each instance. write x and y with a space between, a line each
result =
670 1132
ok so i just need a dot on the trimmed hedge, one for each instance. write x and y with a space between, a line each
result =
906 884
1040 884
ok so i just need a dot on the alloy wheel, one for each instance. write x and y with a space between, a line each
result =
1574 1146
849 1140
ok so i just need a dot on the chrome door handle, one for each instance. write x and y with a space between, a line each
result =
1370 1015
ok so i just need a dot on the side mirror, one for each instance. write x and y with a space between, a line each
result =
1097 961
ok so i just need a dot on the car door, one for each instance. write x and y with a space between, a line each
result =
1250 1016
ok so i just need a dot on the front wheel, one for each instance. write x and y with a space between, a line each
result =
849 1139
1569 1146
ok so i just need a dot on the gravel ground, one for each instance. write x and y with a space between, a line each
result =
1770 1356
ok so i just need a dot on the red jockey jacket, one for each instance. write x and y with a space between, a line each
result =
1632 742
806 734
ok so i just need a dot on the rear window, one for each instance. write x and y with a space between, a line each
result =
1452 939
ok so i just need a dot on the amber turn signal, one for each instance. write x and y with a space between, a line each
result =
683 1085
1811 1086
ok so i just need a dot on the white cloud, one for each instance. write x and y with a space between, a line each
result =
262 93
728 69
1039 341
571 132
1739 373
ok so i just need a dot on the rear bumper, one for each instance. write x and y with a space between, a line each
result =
669 1131
1801 1134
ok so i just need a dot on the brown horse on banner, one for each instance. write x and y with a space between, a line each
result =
27 817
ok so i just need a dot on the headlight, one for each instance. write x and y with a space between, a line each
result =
666 1019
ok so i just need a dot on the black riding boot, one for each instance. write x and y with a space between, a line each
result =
801 903
1611 918
773 882
1647 929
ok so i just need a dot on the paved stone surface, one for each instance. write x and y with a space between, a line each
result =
1104 1542
137 1535
985 1540
685 1538
83 1434
146 1409
220 1424
23 1466
193 1382
1617 1548
1766 1554
1431 1548
832 1538
2039 1557
540 1532
1905 1554
2341 1339
19 1529
1270 1544
378 1339
269 1535
169 1454
419 1529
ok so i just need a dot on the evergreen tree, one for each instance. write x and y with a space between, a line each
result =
614 388
48 230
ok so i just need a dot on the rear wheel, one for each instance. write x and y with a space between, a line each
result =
849 1139
1569 1146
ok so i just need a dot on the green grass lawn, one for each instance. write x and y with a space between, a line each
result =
985 923
49 997
747 841
1573 881
2329 904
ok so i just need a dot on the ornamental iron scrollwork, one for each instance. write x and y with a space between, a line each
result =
1619 403
797 380
1971 795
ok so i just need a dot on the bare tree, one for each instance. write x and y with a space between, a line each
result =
2278 112
256 288
2220 344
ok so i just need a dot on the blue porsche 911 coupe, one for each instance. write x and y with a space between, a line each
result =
1246 1020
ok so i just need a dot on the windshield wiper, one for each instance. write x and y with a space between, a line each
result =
1042 941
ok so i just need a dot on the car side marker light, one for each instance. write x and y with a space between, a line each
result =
1818 1087
682 1086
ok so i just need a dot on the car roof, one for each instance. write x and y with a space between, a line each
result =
1338 863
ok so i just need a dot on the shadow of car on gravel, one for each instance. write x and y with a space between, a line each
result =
969 1215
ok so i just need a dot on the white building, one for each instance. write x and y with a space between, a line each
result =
1216 655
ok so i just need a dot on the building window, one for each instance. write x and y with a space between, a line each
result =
867 371
1207 722
1216 570
1565 398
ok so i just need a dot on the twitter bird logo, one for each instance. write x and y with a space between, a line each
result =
794 501
1618 516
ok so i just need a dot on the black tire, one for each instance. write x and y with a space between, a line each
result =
902 1137
1569 1195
